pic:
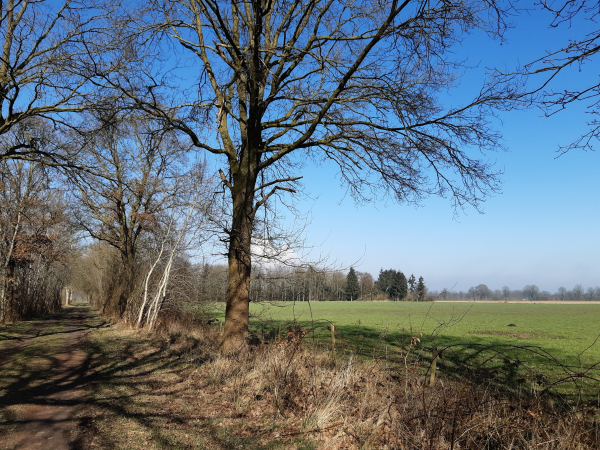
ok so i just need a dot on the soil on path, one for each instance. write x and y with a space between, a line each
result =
42 377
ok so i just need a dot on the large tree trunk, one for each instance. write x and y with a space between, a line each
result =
240 263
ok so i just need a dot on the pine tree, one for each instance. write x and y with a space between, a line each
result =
392 283
384 281
412 281
401 286
352 286
421 290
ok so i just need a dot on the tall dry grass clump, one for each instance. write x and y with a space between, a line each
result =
290 388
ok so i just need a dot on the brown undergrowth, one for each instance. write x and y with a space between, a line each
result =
175 391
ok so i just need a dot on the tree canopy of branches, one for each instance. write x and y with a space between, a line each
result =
480 292
579 50
45 73
531 291
140 174
274 82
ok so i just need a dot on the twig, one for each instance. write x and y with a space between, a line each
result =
314 430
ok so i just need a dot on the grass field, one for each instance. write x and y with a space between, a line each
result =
477 334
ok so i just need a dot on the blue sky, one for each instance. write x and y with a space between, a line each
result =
543 229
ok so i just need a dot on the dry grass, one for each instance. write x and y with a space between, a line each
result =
176 391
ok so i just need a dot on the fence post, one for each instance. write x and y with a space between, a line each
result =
434 357
332 340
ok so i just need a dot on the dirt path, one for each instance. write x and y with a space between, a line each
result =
42 382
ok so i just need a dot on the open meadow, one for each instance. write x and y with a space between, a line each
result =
547 345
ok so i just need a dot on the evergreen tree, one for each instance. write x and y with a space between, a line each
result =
421 290
352 286
401 286
412 282
385 280
392 283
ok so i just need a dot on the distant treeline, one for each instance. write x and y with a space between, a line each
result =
284 284
208 282
529 292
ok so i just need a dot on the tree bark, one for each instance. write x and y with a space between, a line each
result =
128 282
239 256
3 299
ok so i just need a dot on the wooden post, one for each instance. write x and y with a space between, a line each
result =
279 333
332 340
434 358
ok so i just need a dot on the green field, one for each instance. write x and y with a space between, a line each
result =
474 335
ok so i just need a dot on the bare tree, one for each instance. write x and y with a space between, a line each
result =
480 292
562 293
367 285
590 293
182 231
268 84
531 292
140 174
577 292
45 73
